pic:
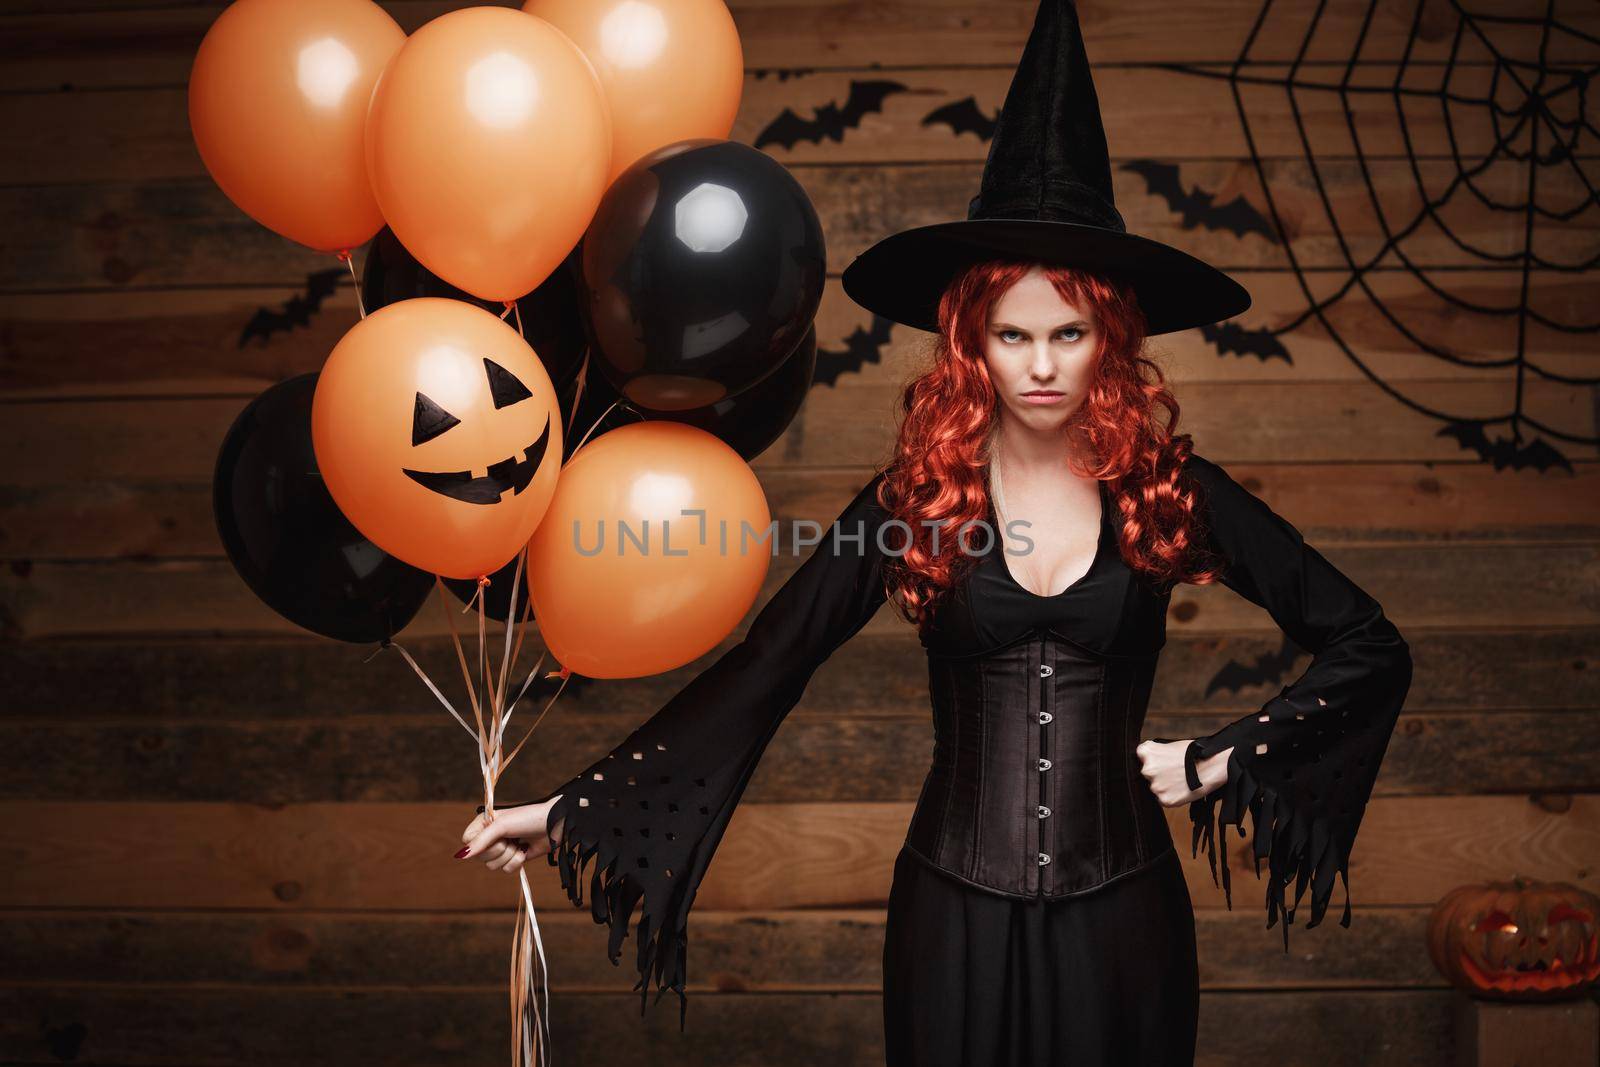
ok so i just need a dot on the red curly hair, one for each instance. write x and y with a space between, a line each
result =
948 414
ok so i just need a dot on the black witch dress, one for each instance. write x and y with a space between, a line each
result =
1038 912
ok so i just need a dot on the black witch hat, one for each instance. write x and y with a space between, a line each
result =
1045 196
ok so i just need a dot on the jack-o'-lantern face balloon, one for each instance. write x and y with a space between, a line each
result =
438 433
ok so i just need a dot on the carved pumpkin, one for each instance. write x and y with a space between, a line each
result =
1518 940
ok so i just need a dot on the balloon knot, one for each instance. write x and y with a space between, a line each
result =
483 580
343 254
564 673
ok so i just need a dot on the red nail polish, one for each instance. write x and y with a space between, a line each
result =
462 854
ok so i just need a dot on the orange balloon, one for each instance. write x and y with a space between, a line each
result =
489 142
438 434
623 583
672 69
278 105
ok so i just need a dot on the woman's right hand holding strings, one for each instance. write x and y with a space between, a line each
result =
515 834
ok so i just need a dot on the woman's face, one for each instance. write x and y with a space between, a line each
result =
1039 349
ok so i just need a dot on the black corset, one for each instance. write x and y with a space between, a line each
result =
1035 789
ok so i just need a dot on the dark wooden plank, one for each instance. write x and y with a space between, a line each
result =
165 512
175 230
1148 111
74 447
152 682
1564 1032
130 43
1477 586
790 951
816 757
397 856
403 1028
109 340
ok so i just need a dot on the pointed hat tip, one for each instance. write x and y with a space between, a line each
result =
1048 158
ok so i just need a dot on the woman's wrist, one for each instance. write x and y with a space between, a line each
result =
1213 771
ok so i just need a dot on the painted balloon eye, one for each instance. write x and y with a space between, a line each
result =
429 420
504 387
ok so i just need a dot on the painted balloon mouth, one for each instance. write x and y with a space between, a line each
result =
513 474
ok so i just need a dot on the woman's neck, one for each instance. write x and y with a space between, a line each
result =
1027 451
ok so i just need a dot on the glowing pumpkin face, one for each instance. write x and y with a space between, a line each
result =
438 433
1517 940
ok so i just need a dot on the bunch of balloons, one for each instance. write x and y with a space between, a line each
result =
565 250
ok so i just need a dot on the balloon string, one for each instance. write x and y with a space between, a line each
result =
506 657
519 319
591 430
529 970
472 693
583 378
349 261
522 619
523 690
510 304
529 966
431 686
566 676
490 694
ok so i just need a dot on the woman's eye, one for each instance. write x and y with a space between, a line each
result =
1073 330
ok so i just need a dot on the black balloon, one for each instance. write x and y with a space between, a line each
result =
702 269
552 321
752 420
289 541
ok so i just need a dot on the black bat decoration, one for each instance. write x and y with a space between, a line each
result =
860 348
1195 205
296 311
1231 337
1267 669
831 120
964 116
1538 453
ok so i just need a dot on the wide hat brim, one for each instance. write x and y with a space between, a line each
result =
903 276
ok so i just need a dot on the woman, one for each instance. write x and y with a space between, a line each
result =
1038 912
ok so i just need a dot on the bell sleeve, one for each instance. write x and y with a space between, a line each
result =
645 819
1305 763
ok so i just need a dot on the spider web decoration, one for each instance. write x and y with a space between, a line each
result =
1533 113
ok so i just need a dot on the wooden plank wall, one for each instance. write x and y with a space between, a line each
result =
227 843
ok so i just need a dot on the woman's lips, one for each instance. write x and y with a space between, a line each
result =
1042 398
